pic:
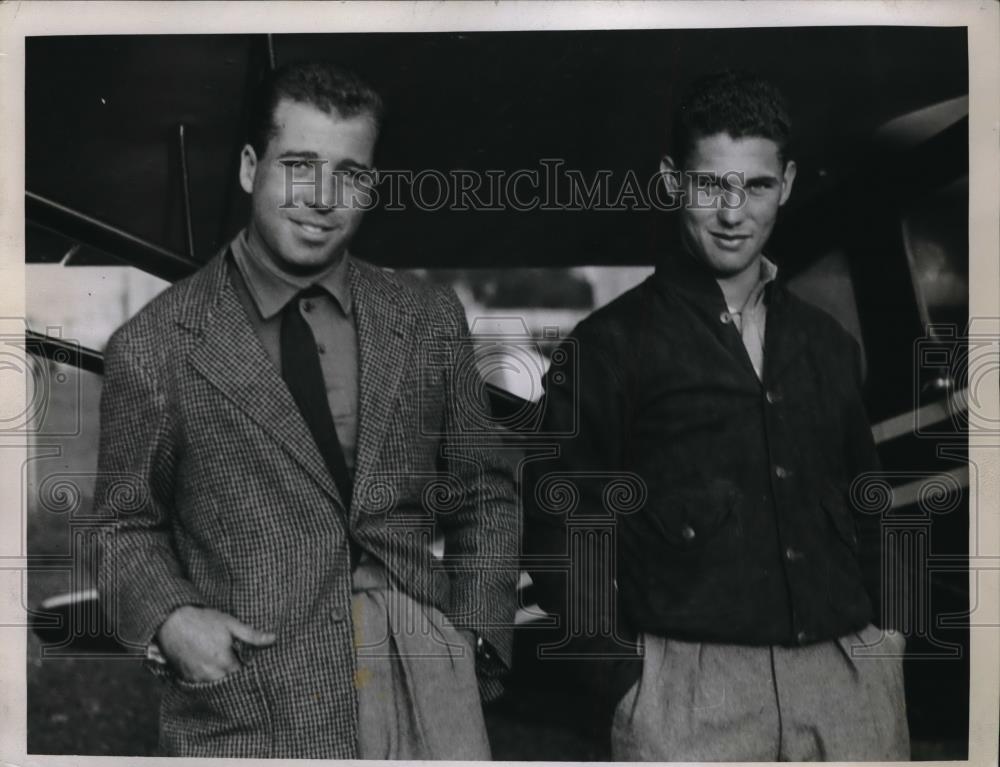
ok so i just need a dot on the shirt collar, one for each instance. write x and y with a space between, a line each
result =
680 270
768 273
271 288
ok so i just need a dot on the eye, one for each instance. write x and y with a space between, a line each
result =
296 164
349 176
714 187
759 186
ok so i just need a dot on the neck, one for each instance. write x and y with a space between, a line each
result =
737 287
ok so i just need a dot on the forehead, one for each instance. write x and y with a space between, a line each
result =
752 155
304 127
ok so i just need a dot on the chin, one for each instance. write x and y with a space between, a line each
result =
725 265
304 264
728 264
306 259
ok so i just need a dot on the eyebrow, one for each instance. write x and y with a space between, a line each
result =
305 154
726 178
711 178
764 179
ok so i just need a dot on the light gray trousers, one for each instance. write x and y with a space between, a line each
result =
833 701
418 697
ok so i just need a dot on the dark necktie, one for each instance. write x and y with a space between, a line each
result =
302 373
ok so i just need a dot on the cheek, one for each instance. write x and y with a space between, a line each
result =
353 217
270 196
352 204
697 221
266 208
358 198
764 212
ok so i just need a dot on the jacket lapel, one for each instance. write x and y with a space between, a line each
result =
385 344
230 356
699 290
784 339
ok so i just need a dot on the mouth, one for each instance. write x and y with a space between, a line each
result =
313 229
728 240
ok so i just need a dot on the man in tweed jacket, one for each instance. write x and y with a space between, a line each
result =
237 557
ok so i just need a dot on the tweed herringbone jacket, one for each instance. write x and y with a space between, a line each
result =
220 498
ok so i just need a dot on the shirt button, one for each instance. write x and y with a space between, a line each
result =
725 318
687 533
338 613
772 397
320 348
801 637
781 472
307 306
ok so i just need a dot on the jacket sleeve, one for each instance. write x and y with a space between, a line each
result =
482 536
586 425
139 578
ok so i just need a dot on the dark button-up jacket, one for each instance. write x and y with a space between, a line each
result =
692 498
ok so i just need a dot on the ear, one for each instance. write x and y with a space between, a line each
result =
671 175
248 168
788 178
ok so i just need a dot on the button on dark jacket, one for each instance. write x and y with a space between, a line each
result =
727 497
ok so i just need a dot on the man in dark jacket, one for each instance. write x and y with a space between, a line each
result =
723 596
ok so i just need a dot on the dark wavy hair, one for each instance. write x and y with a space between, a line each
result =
740 104
326 86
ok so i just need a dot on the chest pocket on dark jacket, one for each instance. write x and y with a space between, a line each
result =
691 519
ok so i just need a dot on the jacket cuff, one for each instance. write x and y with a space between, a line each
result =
470 613
495 660
140 619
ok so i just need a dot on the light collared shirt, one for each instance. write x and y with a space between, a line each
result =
751 318
265 290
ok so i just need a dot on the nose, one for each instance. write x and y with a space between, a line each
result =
730 214
331 193
323 193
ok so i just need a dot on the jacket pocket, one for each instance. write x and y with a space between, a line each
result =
841 518
689 520
227 717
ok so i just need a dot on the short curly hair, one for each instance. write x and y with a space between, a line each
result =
326 86
737 103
